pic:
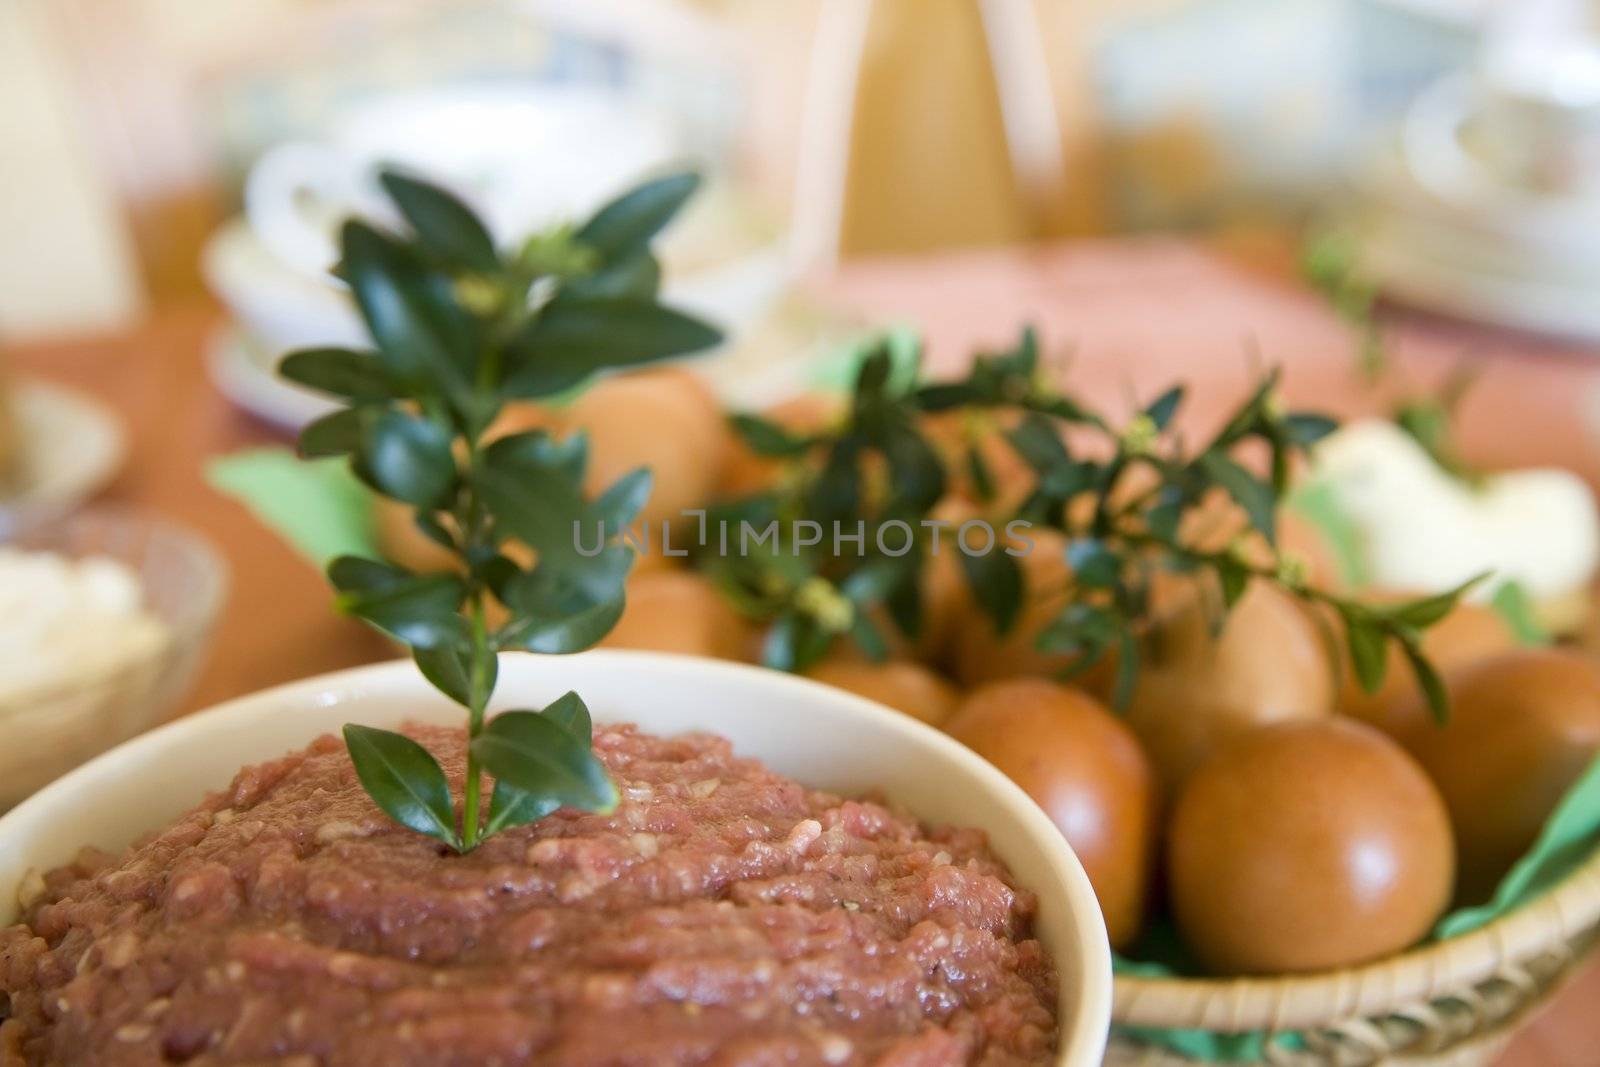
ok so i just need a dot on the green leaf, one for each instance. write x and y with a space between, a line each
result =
836 491
905 608
337 433
449 669
572 338
1164 516
1064 409
1093 564
404 780
1425 611
417 609
873 372
1513 604
540 756
1249 416
531 499
638 277
943 396
767 438
1306 428
572 714
1234 579
428 524
337 372
1428 681
1368 654
1127 673
874 580
916 473
562 609
996 583
978 472
794 642
445 227
1082 628
868 638
510 806
567 456
627 224
409 458
563 633
1165 406
577 583
1249 492
620 505
425 339
1037 442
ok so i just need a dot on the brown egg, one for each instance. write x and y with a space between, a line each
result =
679 611
1307 846
745 472
1469 633
1084 768
666 420
1523 726
908 687
1196 691
944 598
524 417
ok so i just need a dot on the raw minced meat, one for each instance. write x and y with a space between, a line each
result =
723 914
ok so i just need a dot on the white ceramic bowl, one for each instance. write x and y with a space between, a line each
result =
816 734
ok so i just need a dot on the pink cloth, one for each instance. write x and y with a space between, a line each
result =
1130 316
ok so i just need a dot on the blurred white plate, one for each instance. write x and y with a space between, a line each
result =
1438 230
1414 273
246 372
72 446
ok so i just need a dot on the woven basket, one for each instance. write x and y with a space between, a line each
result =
1453 1003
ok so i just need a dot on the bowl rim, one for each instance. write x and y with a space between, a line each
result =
1083 1045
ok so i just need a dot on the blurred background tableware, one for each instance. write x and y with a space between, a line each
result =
524 158
525 152
60 448
53 719
1484 202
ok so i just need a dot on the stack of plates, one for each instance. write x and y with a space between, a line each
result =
1441 228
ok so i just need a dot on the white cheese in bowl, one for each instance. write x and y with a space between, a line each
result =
67 621
1422 530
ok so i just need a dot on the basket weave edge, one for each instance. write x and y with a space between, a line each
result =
1565 914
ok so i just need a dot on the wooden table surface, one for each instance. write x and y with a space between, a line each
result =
1135 316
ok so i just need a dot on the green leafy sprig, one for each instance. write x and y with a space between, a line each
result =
460 328
1123 497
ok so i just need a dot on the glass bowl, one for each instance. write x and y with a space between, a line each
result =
51 727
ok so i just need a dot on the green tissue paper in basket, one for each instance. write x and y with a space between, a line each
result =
316 505
1570 837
